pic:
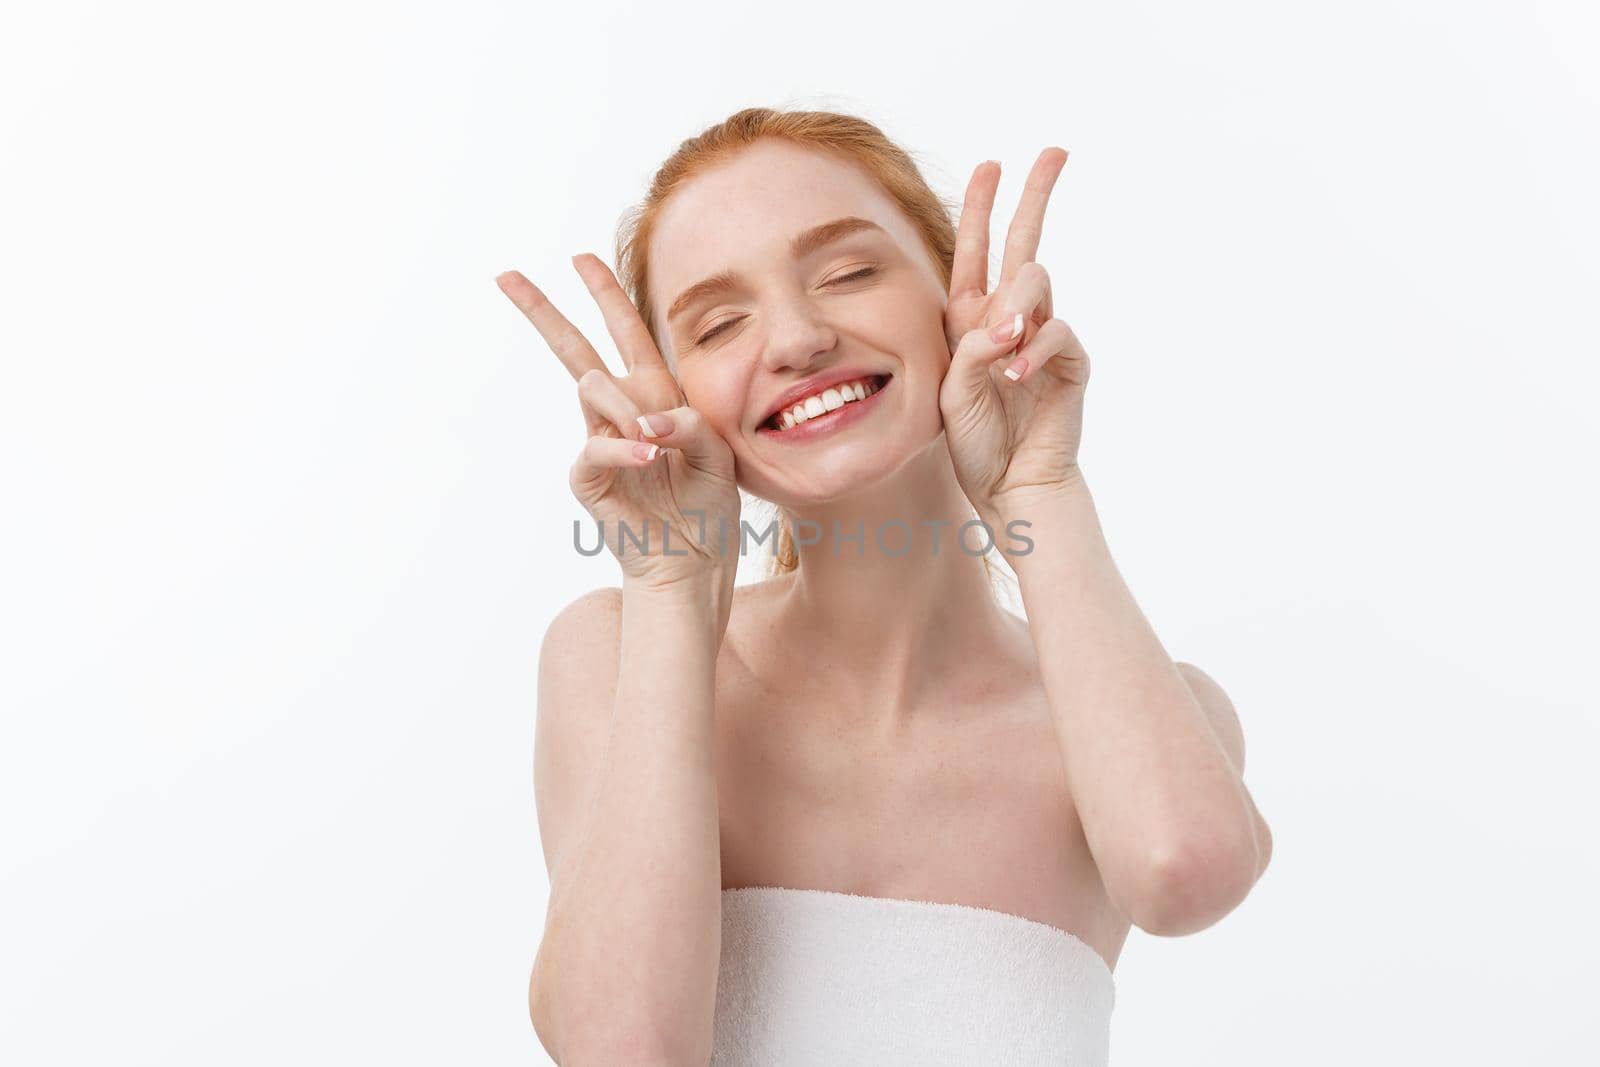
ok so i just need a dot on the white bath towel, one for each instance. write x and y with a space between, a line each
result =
813 977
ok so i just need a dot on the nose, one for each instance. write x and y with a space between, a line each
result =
799 336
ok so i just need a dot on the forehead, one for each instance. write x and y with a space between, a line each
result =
742 212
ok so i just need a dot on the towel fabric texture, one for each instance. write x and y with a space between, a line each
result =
812 977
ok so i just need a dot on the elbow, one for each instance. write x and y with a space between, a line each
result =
1263 845
1191 886
539 1009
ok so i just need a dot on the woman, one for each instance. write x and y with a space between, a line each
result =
857 812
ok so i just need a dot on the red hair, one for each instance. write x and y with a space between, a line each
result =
844 137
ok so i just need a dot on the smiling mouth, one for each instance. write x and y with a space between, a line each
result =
826 404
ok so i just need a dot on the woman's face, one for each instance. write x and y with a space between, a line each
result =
789 306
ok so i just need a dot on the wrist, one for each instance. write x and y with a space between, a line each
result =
1047 521
1028 503
705 592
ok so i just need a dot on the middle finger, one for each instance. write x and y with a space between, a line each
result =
1022 236
571 347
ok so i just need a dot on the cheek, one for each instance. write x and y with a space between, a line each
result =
720 400
923 345
917 310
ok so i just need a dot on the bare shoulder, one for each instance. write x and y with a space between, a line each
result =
1219 710
578 663
579 626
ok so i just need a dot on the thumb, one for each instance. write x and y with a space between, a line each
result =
978 349
685 429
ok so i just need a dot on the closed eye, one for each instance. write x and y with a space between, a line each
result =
718 328
853 276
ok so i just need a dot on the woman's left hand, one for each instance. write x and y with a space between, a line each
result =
1010 439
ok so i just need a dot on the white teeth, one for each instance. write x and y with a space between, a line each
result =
831 399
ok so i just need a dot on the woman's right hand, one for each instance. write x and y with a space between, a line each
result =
672 488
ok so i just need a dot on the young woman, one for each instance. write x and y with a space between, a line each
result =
857 812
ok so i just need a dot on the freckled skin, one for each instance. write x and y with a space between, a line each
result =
950 787
740 216
966 803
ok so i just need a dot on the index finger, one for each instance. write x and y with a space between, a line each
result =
570 346
1022 237
969 275
622 318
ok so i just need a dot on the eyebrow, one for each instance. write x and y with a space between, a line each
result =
803 244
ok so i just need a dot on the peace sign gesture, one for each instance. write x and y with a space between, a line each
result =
1011 432
650 460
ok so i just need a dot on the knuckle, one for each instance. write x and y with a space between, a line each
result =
968 341
564 344
974 339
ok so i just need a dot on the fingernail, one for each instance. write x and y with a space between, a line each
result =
1005 331
655 425
644 451
1018 368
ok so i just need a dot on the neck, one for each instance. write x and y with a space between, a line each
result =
892 606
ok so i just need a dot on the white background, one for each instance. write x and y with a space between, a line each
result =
286 516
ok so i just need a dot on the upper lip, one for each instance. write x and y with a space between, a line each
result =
815 384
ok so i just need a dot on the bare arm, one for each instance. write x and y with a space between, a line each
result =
1171 826
627 968
1225 724
1167 816
626 971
